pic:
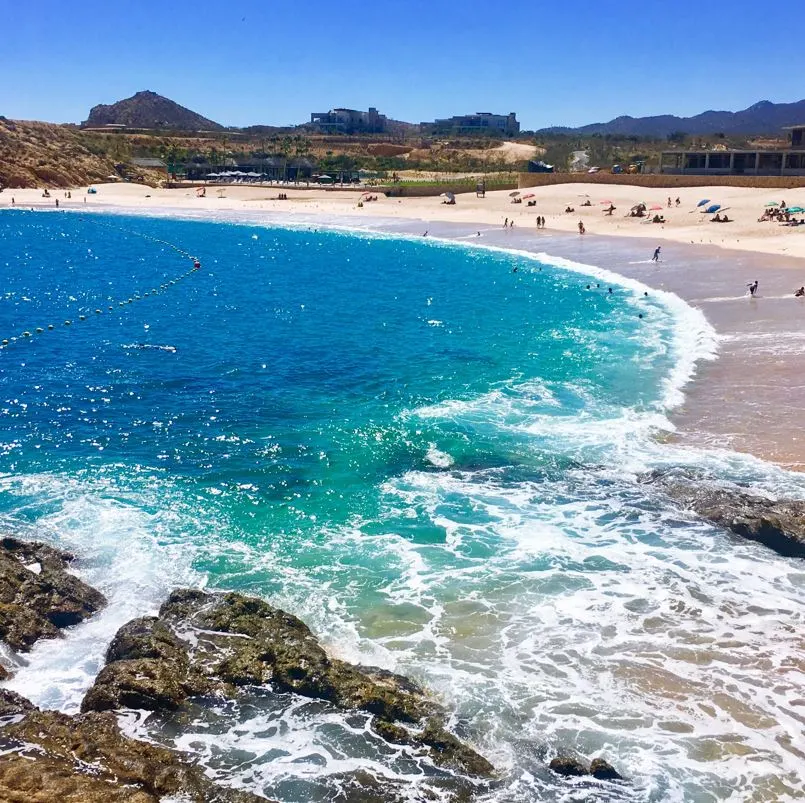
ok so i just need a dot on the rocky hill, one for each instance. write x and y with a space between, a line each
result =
46 155
764 117
149 110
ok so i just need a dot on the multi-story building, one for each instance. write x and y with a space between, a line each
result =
349 121
479 123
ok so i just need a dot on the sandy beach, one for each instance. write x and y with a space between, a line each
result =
750 399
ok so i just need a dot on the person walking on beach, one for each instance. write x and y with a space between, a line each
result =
581 227
656 257
506 223
753 287
669 201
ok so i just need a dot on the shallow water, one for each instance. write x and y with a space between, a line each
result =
430 458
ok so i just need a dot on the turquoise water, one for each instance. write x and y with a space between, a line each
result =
426 454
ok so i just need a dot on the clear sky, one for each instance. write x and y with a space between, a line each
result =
243 62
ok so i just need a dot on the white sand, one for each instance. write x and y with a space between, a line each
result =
684 224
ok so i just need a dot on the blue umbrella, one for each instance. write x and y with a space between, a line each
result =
702 203
711 209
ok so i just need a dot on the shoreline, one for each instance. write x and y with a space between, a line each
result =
742 401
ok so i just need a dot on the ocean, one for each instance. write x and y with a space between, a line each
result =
428 451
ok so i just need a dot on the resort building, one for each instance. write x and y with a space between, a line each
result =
349 121
479 123
782 162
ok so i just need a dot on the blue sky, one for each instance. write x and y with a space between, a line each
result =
244 62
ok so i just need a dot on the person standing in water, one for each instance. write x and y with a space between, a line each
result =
581 227
753 287
656 257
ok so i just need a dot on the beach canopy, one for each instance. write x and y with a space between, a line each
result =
702 203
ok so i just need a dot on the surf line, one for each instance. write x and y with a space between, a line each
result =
27 334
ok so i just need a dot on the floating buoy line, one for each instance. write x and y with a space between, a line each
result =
115 305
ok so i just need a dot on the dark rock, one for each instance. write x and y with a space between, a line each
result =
13 704
148 667
779 525
86 759
239 641
570 767
604 771
448 751
37 602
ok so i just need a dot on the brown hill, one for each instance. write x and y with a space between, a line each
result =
46 155
149 110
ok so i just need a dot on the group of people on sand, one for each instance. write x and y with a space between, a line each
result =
719 218
780 214
678 202
283 196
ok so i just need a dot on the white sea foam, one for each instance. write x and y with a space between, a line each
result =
133 557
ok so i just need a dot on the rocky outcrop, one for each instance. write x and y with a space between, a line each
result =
149 110
778 524
205 643
38 596
572 768
48 756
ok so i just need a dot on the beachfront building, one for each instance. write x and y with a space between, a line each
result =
479 124
782 162
349 121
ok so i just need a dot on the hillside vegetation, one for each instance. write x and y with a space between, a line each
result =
42 154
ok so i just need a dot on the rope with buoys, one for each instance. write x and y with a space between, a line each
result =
114 306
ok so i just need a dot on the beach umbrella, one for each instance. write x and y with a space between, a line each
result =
773 203
605 202
528 195
513 194
656 206
449 195
711 209
702 203
796 209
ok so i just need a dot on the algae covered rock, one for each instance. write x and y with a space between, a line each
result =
778 524
86 759
204 643
38 596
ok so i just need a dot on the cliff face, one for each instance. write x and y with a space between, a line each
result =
149 110
42 154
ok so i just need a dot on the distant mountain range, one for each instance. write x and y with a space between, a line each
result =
149 110
764 117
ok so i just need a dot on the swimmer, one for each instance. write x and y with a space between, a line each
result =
610 289
196 264
645 294
753 287
656 257
514 269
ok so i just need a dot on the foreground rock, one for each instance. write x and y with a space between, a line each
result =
216 643
48 756
38 596
779 525
572 767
